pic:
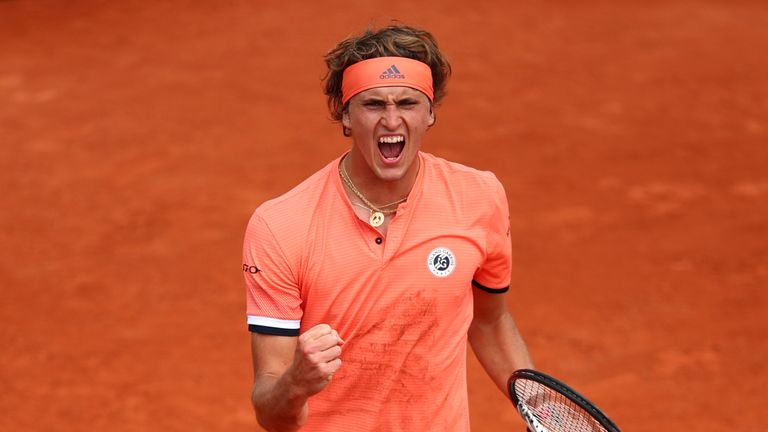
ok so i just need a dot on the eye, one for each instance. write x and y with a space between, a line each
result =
407 103
373 104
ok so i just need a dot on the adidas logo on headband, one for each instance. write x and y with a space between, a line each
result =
391 73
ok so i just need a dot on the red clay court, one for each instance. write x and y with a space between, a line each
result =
138 137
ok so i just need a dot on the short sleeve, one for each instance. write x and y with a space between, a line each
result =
495 272
272 292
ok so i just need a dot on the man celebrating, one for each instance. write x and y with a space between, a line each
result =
365 281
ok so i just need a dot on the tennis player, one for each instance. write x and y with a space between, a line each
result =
366 280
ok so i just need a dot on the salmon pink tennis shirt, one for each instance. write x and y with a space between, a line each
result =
402 303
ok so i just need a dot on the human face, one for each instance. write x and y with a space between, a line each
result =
387 125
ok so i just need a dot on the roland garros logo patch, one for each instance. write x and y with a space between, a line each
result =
441 262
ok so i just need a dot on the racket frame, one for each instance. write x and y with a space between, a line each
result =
559 387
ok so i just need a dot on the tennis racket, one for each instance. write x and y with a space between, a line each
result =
548 405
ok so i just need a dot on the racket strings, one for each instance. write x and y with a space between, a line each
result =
553 410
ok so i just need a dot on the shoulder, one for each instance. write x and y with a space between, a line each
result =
293 204
469 194
290 214
460 178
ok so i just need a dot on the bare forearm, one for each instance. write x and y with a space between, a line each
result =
278 409
289 371
499 347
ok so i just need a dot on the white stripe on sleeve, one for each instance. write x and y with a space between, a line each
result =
273 322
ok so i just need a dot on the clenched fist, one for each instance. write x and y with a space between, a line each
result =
317 358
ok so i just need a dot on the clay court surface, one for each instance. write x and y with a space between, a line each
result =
137 138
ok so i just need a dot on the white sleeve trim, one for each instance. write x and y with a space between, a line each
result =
273 322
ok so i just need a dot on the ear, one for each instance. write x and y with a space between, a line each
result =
345 120
431 116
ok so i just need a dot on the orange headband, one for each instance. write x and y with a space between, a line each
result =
386 72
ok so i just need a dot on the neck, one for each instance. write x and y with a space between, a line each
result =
379 191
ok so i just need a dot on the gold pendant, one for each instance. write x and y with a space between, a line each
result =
376 219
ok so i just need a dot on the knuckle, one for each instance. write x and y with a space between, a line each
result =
335 365
307 350
313 358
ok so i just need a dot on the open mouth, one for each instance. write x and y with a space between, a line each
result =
391 146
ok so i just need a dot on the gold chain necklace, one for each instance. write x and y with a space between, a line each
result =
384 212
377 212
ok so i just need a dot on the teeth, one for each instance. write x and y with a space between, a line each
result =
392 139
